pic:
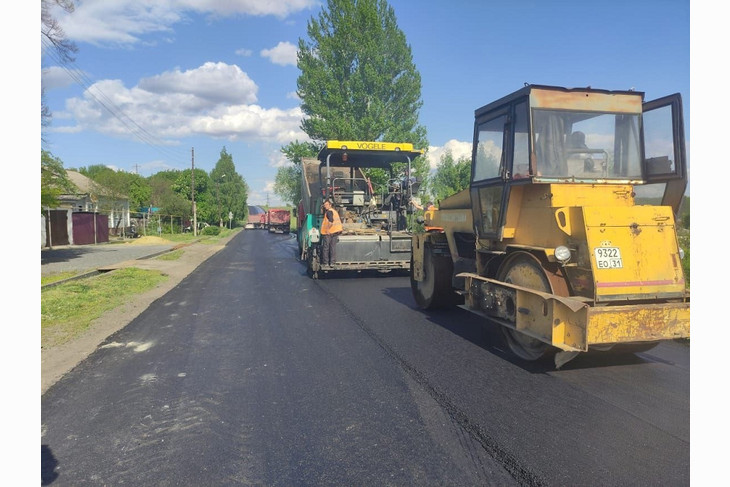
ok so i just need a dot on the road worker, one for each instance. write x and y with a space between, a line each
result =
331 230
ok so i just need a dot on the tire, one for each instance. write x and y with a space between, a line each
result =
523 269
435 290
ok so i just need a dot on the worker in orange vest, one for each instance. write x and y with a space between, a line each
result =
331 230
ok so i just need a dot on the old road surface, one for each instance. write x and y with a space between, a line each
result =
251 373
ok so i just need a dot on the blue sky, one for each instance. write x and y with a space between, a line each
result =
153 80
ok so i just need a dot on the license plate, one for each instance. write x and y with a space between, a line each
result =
608 258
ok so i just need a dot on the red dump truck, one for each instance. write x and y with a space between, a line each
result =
278 221
256 217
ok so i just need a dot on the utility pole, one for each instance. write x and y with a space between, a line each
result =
192 184
48 222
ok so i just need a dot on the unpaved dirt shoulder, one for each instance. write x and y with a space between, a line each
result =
57 361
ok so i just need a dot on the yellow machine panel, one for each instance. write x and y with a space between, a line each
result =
633 252
370 145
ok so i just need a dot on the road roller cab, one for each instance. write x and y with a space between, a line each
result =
567 234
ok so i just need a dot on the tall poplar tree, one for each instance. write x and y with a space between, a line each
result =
358 80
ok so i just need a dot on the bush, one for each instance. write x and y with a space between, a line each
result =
211 230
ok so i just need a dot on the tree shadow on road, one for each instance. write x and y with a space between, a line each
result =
48 466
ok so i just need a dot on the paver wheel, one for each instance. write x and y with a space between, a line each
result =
435 289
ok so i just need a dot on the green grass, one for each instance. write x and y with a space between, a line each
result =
68 309
174 255
214 239
189 238
180 237
59 276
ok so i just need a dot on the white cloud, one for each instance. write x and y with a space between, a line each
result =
458 149
213 100
117 21
244 52
153 167
58 77
259 8
67 129
248 122
283 54
216 82
277 159
127 21
269 187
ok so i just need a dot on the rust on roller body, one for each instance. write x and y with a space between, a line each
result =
587 101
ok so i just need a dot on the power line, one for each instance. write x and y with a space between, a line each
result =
132 126
128 122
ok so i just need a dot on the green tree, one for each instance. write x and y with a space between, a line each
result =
54 180
161 193
358 80
204 201
450 176
296 150
119 184
116 187
113 188
288 184
95 171
164 197
139 191
231 190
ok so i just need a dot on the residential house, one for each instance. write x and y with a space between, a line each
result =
85 216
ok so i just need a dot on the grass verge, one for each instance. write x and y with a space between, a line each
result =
174 255
67 310
188 237
59 276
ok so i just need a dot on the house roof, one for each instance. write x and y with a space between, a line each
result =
82 183
86 185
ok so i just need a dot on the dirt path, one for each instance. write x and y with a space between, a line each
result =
57 361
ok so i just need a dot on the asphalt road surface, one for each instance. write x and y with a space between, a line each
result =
91 257
251 373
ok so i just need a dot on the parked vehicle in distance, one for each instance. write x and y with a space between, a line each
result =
278 220
256 218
